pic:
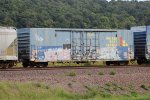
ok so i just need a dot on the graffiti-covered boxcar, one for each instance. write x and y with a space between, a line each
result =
38 46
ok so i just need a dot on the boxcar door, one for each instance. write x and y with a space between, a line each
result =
84 45
76 53
89 45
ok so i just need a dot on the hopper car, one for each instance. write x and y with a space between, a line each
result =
8 47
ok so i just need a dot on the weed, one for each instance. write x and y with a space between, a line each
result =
108 89
121 88
108 84
88 88
100 73
112 73
71 74
69 84
47 87
37 85
89 74
105 95
144 87
135 94
131 87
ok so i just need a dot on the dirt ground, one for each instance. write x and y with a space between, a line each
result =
111 80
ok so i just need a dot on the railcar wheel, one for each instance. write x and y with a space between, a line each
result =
25 65
117 63
127 63
45 65
140 62
11 65
3 66
124 63
107 63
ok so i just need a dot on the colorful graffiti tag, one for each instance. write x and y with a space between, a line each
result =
51 53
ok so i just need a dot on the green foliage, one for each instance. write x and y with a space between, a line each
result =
144 87
135 94
74 13
71 74
112 73
29 91
100 73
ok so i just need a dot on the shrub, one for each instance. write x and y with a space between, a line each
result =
144 87
89 74
100 73
69 84
134 94
112 73
72 74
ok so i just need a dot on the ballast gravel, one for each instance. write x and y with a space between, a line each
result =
81 80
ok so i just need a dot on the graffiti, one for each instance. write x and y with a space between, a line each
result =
113 42
51 54
113 53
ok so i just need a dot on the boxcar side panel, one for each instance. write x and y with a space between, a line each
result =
148 43
116 46
49 44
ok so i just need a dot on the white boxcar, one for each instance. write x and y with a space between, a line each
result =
8 47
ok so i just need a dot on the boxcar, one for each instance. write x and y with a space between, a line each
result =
38 46
141 43
8 47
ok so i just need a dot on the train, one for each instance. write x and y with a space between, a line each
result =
38 46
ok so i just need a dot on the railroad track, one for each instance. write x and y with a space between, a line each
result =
69 67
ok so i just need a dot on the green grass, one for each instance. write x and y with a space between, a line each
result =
71 74
112 73
100 73
144 87
37 91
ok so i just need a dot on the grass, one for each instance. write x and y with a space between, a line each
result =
144 87
52 64
37 91
100 73
71 74
112 73
71 63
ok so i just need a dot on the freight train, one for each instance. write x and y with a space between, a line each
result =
38 46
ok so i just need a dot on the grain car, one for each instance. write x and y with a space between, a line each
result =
8 47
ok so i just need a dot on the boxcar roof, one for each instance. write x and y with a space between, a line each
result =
7 30
78 29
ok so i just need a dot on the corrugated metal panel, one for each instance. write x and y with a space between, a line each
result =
8 44
148 43
24 43
49 45
56 44
116 45
139 41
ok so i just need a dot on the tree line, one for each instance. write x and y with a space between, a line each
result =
74 13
